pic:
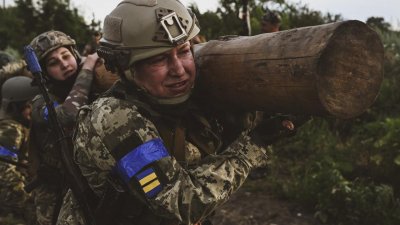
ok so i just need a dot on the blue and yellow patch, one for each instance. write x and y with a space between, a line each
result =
136 165
46 111
5 152
149 182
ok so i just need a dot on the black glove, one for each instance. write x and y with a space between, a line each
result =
272 129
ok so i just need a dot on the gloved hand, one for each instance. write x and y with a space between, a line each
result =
272 129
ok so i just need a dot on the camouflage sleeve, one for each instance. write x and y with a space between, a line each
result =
185 194
12 194
67 111
12 134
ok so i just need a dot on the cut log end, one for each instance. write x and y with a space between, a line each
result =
350 70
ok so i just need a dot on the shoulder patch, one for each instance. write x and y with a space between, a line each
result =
143 155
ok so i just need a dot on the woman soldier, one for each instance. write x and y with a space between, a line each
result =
146 139
69 83
17 93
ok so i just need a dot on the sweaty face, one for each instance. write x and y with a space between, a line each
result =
170 74
61 64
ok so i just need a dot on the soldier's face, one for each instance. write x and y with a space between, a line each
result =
169 74
268 27
61 64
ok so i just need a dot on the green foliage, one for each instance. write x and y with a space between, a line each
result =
7 35
345 181
297 15
226 20
388 103
346 171
27 19
378 23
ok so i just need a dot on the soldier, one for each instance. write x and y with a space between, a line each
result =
270 22
17 92
69 83
10 67
93 44
148 151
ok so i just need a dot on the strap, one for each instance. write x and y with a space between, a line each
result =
179 146
207 141
172 131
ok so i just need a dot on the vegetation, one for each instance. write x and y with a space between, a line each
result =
342 170
28 18
346 171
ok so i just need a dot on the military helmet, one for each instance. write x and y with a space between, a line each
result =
272 17
51 40
17 89
139 29
5 58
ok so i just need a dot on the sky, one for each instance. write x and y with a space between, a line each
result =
349 9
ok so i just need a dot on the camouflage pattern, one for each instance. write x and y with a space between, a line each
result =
271 16
191 192
45 199
48 41
13 198
5 58
66 114
70 212
16 68
47 193
13 134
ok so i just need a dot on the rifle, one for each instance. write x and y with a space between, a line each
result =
75 180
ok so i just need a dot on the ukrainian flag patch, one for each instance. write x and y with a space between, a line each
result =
149 182
46 111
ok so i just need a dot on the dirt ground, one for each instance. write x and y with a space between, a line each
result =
249 206
260 208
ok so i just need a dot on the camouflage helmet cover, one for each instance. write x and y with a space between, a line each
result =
48 41
5 58
145 28
272 17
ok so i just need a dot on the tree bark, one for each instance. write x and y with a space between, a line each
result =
334 69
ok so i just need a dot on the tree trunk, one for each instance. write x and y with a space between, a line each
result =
334 69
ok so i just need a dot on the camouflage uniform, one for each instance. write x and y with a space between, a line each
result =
13 69
47 194
153 160
13 198
190 189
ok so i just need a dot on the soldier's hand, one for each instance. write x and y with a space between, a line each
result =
270 130
90 62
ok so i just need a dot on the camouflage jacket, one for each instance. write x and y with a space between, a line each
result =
185 191
44 137
17 68
13 143
13 137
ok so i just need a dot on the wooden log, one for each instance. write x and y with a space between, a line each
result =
334 69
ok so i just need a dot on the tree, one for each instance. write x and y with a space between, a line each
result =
378 22
225 20
9 19
29 20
